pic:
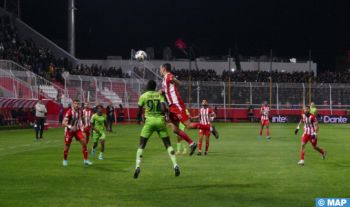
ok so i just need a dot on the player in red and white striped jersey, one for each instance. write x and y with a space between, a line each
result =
310 134
87 114
74 128
177 108
265 112
206 115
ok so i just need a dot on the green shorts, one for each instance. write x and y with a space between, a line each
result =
98 136
154 124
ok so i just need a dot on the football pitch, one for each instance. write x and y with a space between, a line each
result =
240 170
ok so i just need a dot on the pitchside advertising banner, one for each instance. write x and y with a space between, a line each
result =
321 119
327 202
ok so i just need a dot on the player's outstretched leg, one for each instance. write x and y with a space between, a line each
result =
93 150
268 133
207 139
184 136
321 151
171 152
85 152
184 148
191 125
102 142
261 131
65 154
200 141
139 152
302 155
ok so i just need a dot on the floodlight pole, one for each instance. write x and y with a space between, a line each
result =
71 27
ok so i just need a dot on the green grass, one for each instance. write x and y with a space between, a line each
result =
240 170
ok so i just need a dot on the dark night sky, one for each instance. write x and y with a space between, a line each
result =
111 27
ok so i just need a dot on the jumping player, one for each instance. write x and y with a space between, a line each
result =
87 114
177 108
206 115
154 105
74 128
265 112
310 134
98 125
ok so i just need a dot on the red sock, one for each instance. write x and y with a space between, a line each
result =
200 145
85 152
320 150
185 137
65 154
261 129
302 154
267 132
207 145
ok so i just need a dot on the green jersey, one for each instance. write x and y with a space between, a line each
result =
98 121
151 101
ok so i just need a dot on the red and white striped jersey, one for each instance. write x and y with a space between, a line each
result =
74 119
171 91
205 114
87 114
309 124
265 112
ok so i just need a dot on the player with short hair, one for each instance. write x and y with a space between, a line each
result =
98 126
310 134
74 128
154 105
177 108
87 114
265 112
206 115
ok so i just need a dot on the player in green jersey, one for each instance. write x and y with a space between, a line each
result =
154 104
98 126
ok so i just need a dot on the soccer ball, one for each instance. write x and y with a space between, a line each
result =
140 55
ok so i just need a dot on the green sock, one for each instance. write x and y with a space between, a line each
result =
184 146
178 146
138 157
171 153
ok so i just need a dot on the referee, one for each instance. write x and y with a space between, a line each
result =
40 113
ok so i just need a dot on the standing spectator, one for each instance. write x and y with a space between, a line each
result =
40 114
110 116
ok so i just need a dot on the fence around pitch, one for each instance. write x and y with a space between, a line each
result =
220 94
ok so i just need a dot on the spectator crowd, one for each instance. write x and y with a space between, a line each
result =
42 62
